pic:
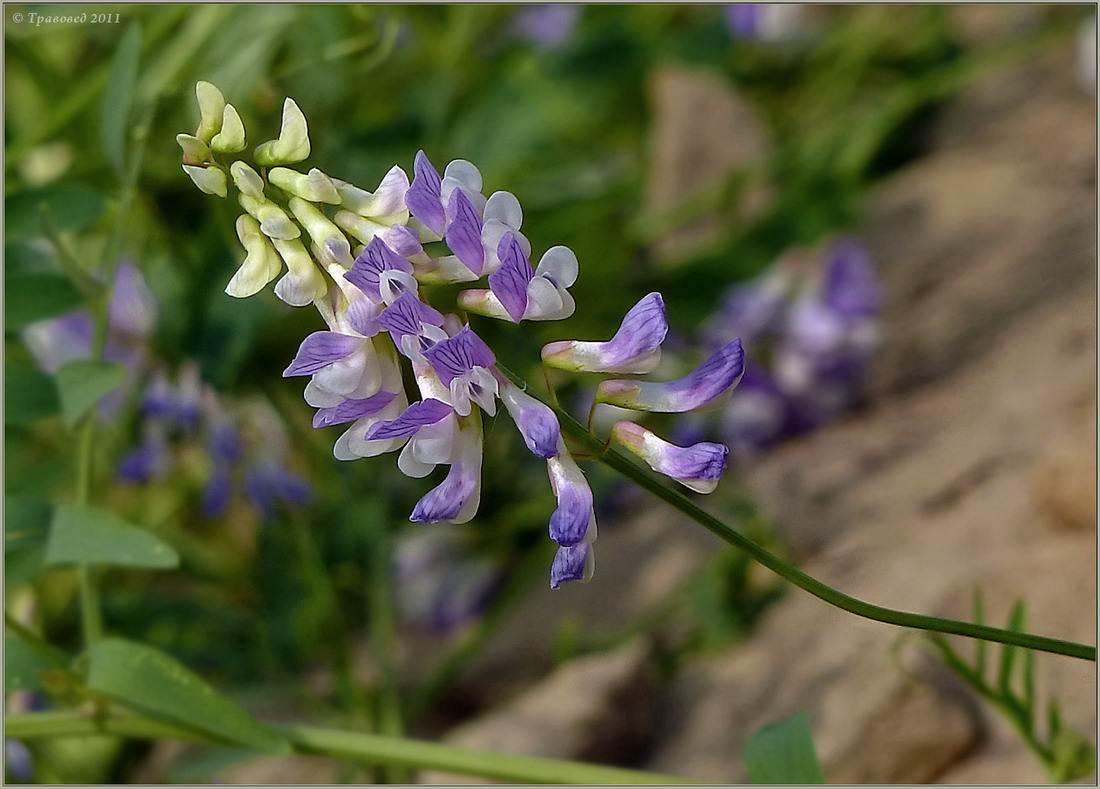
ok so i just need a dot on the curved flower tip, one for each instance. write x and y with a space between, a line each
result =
536 421
321 349
463 363
717 375
456 498
571 563
292 144
635 348
698 467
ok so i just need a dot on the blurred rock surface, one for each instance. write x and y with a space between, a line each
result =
598 708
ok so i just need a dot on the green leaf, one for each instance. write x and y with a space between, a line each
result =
73 208
159 686
26 522
86 534
82 382
1008 653
21 665
783 753
28 395
31 296
118 96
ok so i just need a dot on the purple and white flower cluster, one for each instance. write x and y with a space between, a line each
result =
379 251
813 321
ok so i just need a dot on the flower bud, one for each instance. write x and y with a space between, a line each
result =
211 109
261 265
210 179
231 137
292 145
316 187
195 151
247 180
325 235
273 220
303 283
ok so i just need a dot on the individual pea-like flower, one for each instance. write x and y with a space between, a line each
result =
635 348
699 466
377 251
717 376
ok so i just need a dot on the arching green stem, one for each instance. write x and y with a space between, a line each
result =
620 463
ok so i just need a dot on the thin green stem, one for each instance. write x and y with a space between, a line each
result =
620 463
349 746
391 719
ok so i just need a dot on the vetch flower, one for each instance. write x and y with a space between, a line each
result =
698 467
380 312
716 376
516 292
635 348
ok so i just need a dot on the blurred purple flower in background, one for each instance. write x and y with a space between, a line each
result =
442 583
768 22
813 332
547 25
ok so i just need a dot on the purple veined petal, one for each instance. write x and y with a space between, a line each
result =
537 422
424 197
416 416
559 265
406 316
464 232
362 315
509 282
574 515
698 466
402 240
352 409
492 233
456 499
458 355
321 349
353 444
343 376
851 287
634 349
571 563
718 374
366 272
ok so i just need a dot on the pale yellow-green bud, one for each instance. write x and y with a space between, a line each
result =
292 145
359 226
231 137
210 179
195 151
261 265
247 180
327 236
303 283
211 107
315 187
273 220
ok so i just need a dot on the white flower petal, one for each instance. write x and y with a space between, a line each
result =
504 207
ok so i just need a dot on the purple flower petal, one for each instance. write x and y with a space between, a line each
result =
536 421
446 501
424 197
368 267
743 19
509 282
217 492
699 466
720 372
635 348
456 356
464 232
416 416
406 315
570 521
352 409
569 564
321 349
